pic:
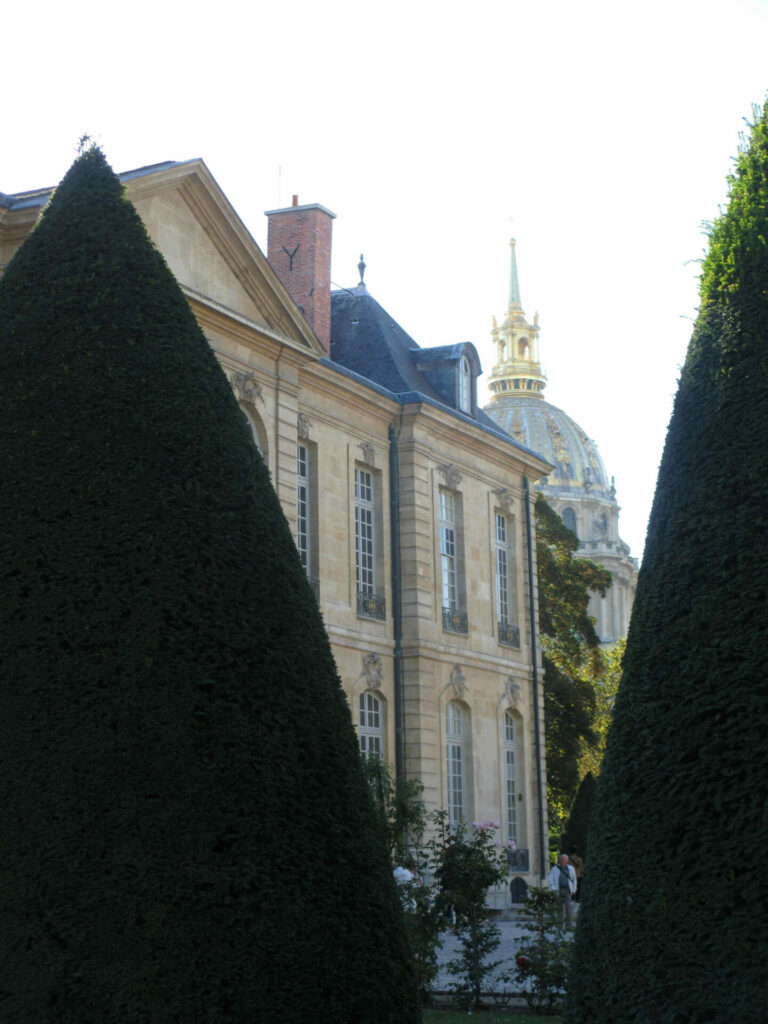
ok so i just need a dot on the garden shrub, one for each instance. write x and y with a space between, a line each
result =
543 960
468 864
187 834
673 927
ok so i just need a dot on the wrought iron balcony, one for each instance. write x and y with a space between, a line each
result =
509 635
371 606
455 621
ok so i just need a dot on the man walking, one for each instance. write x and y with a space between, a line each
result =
562 880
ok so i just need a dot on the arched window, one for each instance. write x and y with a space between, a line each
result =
510 778
569 518
371 727
456 729
257 430
465 385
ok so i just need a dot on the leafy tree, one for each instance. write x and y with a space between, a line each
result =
606 686
672 927
187 832
572 657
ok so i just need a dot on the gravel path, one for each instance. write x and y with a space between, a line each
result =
512 935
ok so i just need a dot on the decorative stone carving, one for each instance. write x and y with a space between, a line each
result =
559 446
369 453
450 474
303 424
512 691
504 498
458 682
246 387
600 524
372 670
518 428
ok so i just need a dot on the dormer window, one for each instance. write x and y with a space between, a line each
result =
465 385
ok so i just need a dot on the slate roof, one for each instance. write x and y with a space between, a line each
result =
367 341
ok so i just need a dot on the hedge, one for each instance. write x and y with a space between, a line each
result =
673 925
187 835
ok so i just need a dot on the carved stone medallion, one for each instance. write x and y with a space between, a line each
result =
303 424
559 447
512 691
246 387
372 670
458 682
450 474
369 453
504 498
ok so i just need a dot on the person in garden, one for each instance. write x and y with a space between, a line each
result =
578 866
562 880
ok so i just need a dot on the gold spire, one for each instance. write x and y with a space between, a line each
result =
516 342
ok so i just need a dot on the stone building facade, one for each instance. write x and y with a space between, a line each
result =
410 507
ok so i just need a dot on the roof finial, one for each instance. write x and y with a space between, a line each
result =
361 268
514 287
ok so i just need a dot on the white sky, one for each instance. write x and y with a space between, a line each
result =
599 133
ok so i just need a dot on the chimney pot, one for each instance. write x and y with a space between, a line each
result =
295 201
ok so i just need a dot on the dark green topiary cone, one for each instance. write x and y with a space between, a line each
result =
576 831
674 925
186 832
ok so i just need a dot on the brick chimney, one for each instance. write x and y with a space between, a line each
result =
299 249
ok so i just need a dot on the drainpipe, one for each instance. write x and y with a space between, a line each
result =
397 610
534 658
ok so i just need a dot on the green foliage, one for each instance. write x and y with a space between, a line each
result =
565 586
737 261
401 808
576 833
404 815
185 820
572 657
542 963
669 931
424 914
468 864
606 686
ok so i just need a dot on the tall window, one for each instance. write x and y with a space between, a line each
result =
465 385
510 776
371 727
448 552
365 532
506 610
569 519
455 748
502 569
303 538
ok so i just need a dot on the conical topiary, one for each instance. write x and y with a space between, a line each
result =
186 831
576 832
673 925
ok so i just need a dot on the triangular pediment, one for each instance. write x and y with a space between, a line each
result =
211 252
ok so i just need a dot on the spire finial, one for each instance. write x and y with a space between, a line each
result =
514 286
361 268
518 372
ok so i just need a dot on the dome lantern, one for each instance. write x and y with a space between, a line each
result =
516 343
